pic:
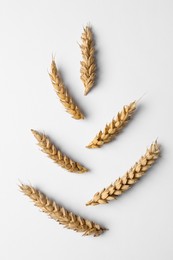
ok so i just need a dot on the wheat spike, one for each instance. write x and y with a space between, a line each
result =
114 127
88 64
66 218
56 155
63 94
131 177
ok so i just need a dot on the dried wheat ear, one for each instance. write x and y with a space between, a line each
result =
63 94
66 218
112 129
56 155
131 177
88 64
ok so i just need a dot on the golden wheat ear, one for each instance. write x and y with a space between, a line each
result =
56 155
63 94
61 215
112 129
88 63
131 177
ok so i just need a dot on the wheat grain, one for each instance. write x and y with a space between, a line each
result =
114 127
131 177
63 216
88 64
56 155
63 94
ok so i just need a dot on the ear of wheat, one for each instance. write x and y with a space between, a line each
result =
63 94
131 177
114 127
60 214
88 64
56 155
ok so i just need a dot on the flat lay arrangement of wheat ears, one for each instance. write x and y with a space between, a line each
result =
88 73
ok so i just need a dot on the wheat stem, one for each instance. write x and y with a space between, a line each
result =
63 94
58 213
131 177
112 129
56 155
88 64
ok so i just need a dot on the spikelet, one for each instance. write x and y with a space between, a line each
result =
114 127
131 177
66 218
56 155
63 94
88 64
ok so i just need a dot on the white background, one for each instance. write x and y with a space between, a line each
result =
134 41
